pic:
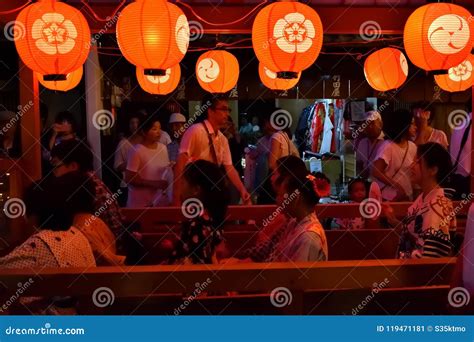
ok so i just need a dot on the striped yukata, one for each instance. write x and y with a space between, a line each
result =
427 227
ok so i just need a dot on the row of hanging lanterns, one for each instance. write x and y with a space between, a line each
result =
287 38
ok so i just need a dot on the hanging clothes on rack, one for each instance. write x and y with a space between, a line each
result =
302 133
317 126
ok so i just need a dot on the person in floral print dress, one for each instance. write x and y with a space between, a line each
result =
205 199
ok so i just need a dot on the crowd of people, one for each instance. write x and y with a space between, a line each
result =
78 222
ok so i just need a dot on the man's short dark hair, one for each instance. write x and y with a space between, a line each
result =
75 150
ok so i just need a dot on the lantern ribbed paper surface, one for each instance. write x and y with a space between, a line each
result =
459 78
287 37
160 85
437 36
271 81
386 69
217 71
71 81
52 38
153 35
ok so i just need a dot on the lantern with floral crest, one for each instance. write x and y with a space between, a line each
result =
459 78
287 37
52 38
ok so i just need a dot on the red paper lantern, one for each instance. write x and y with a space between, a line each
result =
271 81
217 71
386 69
159 85
71 81
153 35
437 36
52 38
287 37
459 78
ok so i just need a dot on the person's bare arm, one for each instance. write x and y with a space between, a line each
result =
378 171
272 156
181 162
134 179
234 178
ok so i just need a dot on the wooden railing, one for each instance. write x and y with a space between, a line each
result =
309 284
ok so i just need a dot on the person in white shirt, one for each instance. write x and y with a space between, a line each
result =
281 144
204 141
392 165
176 125
148 169
123 148
368 147
423 114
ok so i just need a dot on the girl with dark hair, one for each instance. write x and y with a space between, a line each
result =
205 199
149 175
391 167
425 231
304 238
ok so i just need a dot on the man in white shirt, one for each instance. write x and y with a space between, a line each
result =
205 141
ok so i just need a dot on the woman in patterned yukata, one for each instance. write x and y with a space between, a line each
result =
205 198
304 238
426 230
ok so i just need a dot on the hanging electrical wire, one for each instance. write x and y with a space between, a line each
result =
17 9
221 24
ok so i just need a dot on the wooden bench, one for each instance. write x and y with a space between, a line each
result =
405 286
342 244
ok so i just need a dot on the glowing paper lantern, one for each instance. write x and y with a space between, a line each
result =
159 85
287 37
71 81
271 81
52 38
437 36
386 69
153 35
217 71
459 78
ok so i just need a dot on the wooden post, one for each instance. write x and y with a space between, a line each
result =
30 162
472 146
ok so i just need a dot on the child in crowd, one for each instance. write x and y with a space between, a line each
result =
205 198
357 193
425 231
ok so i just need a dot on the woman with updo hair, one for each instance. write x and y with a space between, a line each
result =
304 238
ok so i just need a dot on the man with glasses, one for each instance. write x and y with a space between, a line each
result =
204 140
